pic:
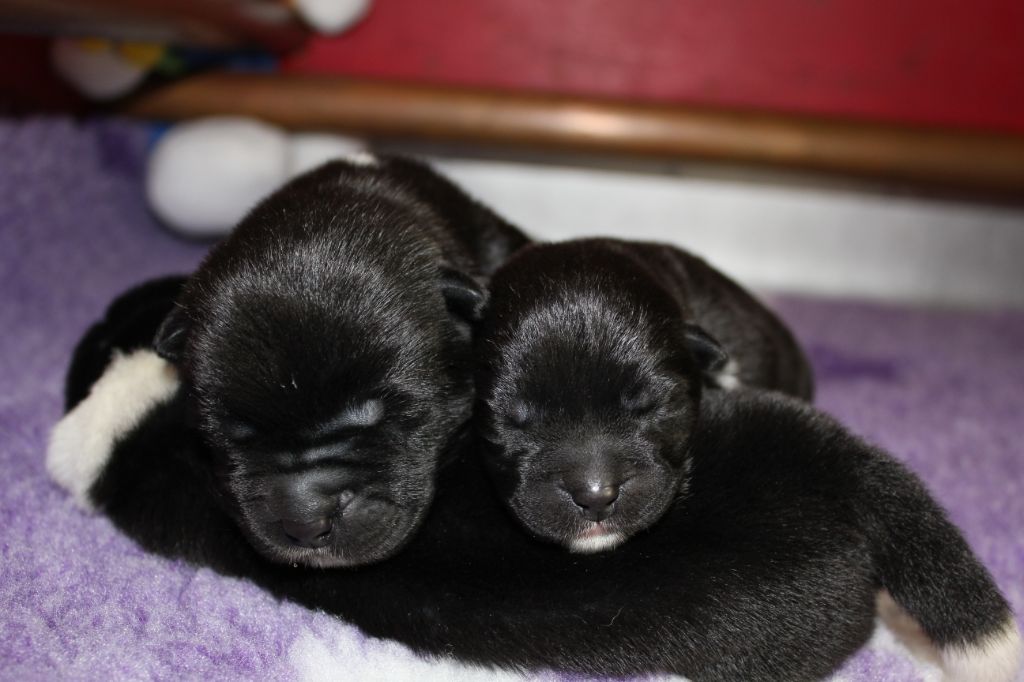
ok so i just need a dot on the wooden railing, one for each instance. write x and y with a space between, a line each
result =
958 159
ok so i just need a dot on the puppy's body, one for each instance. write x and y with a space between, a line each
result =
324 348
129 324
594 356
768 568
763 351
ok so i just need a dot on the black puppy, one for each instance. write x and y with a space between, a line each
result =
593 355
769 567
324 346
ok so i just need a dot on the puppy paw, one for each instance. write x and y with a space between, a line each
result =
82 442
996 658
728 377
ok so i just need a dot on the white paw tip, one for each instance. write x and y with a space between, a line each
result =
728 377
82 441
997 658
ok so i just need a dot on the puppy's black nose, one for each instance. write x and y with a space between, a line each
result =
314 533
595 501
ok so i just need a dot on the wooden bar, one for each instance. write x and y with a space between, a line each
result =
956 159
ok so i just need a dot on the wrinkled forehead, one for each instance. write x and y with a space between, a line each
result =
578 349
587 326
261 364
270 383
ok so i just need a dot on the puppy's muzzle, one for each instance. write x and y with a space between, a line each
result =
315 533
308 504
595 498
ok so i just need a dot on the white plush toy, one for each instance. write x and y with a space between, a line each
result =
331 16
204 175
103 69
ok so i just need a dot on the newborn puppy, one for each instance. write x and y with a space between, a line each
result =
324 347
593 356
768 569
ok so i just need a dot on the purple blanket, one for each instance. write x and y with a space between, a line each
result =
942 390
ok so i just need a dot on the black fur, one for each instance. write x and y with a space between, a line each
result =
324 346
593 356
127 325
767 568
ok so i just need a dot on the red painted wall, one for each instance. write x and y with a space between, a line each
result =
947 62
27 83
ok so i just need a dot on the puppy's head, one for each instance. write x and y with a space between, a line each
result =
326 373
588 393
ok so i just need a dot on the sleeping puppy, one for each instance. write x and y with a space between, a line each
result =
593 356
324 346
769 568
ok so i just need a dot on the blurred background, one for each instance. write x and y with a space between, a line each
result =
852 148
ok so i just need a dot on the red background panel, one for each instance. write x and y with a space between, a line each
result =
947 62
27 82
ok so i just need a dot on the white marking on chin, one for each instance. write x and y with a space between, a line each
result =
81 442
996 658
595 543
728 377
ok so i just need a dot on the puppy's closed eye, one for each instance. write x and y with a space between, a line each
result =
520 415
640 402
354 418
362 415
239 430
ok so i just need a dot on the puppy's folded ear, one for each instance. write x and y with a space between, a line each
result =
169 342
463 295
705 349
